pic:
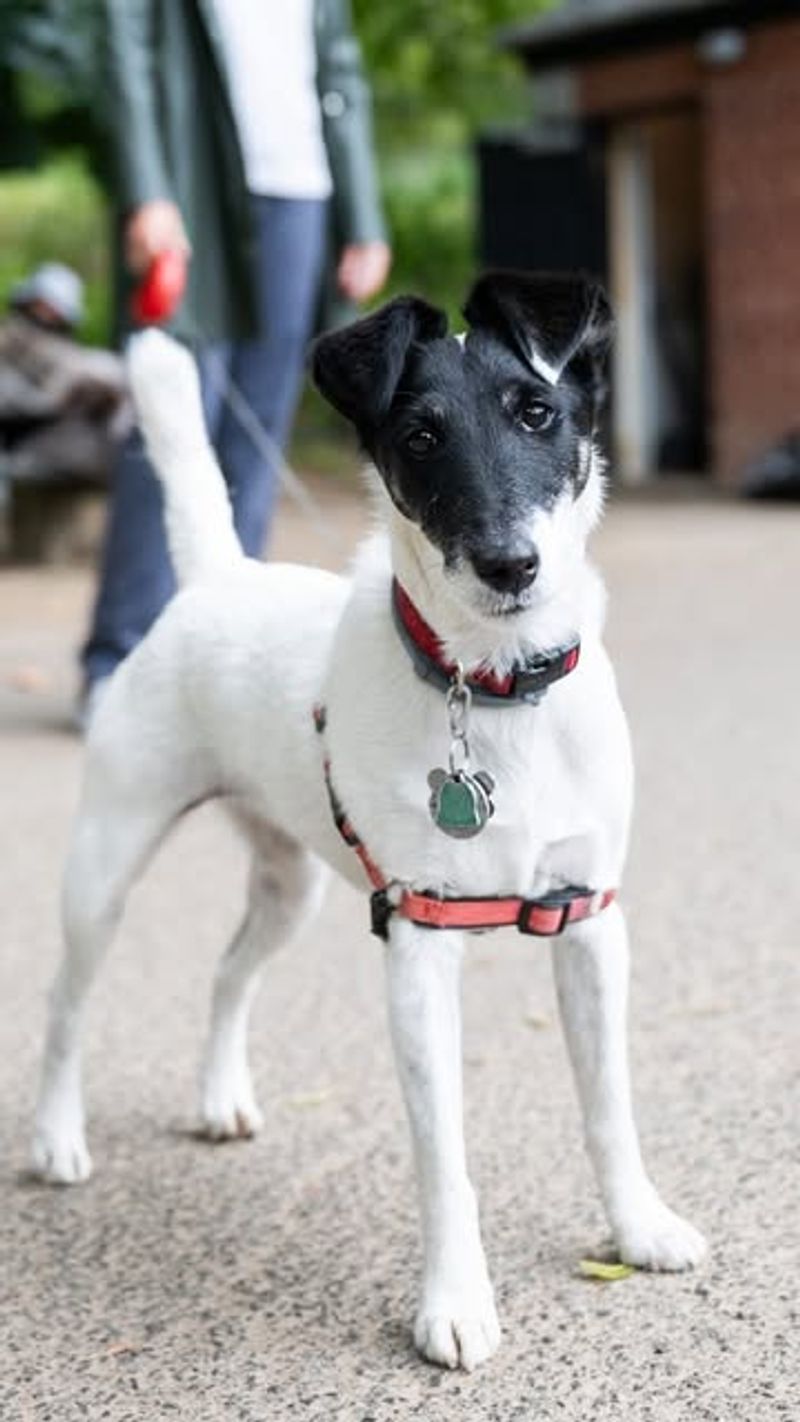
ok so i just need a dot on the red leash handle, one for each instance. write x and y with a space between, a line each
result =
160 292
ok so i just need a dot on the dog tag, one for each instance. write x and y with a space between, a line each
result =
460 802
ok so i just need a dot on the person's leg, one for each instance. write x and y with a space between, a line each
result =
268 371
136 577
214 364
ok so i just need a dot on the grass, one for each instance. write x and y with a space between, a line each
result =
57 214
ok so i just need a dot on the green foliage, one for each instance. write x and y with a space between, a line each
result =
436 66
438 76
55 41
429 204
57 213
48 80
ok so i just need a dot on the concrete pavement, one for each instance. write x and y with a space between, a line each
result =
275 1280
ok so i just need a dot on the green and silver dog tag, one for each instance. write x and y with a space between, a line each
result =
461 800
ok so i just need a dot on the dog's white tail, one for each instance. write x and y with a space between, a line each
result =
166 393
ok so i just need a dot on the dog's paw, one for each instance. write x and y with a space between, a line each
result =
60 1159
459 1330
659 1239
230 1116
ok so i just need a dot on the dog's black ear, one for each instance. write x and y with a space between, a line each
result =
358 368
548 317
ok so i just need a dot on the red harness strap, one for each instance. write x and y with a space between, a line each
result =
543 918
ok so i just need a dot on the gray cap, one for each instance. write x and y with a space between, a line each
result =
56 284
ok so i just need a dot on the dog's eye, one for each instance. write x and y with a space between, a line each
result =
535 416
421 442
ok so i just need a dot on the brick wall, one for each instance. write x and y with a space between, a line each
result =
751 127
637 83
753 243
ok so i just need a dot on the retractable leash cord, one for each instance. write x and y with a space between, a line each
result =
154 301
269 450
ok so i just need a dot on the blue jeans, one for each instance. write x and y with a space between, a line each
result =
136 578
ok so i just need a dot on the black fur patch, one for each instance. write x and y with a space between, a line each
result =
472 439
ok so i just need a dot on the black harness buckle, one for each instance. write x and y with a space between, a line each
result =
381 910
559 901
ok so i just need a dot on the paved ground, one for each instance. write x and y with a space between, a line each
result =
275 1280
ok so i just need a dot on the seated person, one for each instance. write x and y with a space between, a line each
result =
63 406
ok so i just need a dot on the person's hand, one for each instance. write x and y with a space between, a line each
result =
153 228
363 269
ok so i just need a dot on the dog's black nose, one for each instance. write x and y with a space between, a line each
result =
508 572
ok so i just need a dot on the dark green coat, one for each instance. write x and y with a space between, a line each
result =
174 136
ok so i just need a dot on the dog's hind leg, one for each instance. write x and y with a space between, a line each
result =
456 1323
286 886
136 785
591 971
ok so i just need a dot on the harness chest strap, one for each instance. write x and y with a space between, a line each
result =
543 918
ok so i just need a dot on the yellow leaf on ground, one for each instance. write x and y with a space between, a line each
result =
309 1098
605 1272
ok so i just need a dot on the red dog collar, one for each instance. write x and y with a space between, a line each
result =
527 681
543 918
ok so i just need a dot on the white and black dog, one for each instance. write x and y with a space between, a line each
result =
424 727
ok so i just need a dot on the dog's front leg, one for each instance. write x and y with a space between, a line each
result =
456 1323
591 970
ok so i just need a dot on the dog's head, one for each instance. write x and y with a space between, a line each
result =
485 441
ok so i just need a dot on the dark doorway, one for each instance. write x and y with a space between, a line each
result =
542 206
625 203
675 144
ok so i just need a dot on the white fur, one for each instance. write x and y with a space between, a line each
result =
218 698
548 372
